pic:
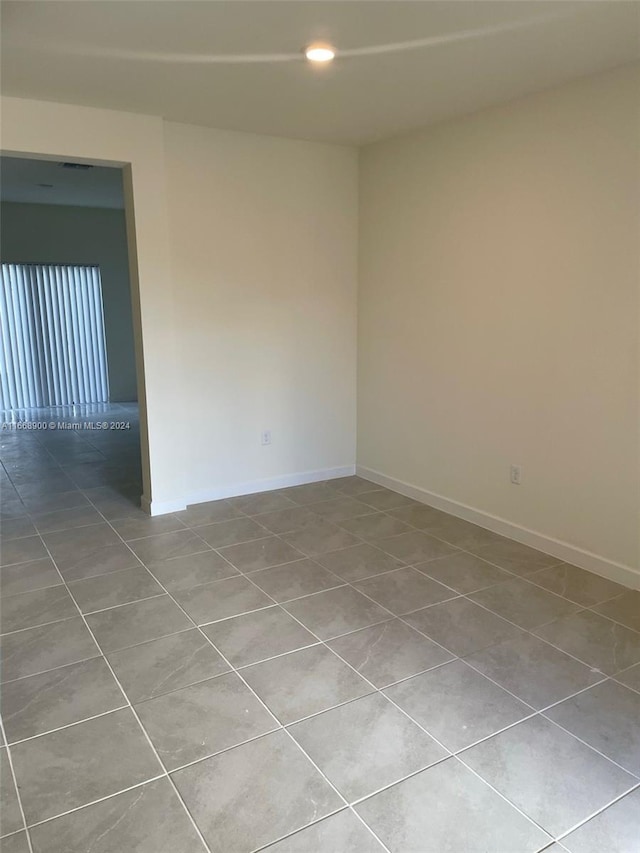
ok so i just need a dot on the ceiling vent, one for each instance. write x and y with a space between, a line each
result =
80 166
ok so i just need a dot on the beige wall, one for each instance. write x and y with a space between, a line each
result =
107 137
498 306
245 258
51 233
498 313
264 242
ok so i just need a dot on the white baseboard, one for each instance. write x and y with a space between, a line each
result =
161 507
562 550
248 488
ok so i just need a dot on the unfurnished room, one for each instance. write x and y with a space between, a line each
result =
320 426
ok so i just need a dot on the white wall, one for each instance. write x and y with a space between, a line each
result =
498 314
107 137
247 293
52 233
264 242
498 305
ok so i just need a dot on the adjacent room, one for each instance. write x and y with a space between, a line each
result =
320 440
68 357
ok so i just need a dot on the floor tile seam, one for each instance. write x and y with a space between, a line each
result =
97 801
325 644
348 808
573 695
125 603
634 775
423 574
305 595
6 835
591 608
21 562
5 538
519 698
51 669
66 529
280 838
374 689
591 666
449 752
78 580
423 571
221 548
238 668
410 626
127 701
370 683
507 800
157 533
478 556
39 624
616 678
582 605
14 779
464 659
215 547
529 579
524 630
351 584
525 579
279 725
374 542
596 813
18 741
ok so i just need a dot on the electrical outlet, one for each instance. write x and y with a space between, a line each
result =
516 475
265 436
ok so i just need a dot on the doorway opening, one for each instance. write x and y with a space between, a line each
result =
69 402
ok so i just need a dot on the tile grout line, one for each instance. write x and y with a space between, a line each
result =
449 753
457 595
282 726
248 686
15 785
402 616
148 739
323 642
349 584
95 802
536 713
566 833
635 776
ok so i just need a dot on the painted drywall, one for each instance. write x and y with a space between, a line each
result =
136 142
498 312
60 234
246 294
264 244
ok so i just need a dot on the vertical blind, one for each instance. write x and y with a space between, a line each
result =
53 344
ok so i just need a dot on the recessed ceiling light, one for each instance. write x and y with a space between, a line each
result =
319 53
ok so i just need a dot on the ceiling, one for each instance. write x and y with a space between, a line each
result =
238 65
21 179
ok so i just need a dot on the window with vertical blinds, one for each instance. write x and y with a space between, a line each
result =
53 343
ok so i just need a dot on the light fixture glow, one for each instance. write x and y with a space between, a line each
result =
319 53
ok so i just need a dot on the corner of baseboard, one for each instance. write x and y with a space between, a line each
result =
153 507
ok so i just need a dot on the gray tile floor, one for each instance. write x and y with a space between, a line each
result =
331 668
